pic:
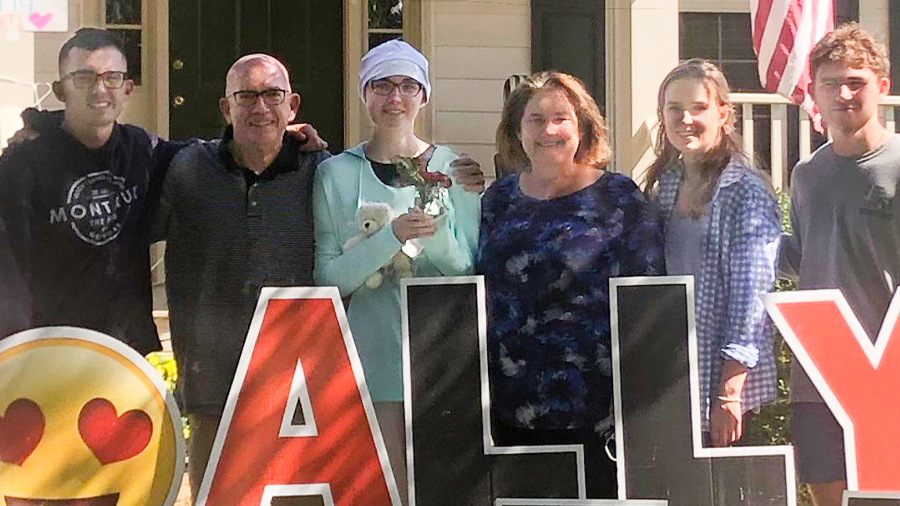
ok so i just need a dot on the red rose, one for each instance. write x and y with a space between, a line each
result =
436 178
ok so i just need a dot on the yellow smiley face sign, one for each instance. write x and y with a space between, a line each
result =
85 419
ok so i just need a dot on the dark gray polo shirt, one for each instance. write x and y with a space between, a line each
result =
229 233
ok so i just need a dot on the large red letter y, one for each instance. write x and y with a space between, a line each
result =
859 381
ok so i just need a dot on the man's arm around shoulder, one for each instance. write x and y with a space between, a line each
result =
16 169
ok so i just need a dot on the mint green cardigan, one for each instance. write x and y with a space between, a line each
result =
343 184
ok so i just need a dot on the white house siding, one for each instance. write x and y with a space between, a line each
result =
30 58
714 5
477 44
16 74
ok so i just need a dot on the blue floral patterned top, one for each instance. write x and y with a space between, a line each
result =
547 265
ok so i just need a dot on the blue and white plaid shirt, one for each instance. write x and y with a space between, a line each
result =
739 251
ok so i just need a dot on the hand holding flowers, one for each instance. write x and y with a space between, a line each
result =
431 187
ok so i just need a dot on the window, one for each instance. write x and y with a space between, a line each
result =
845 11
385 21
727 40
124 17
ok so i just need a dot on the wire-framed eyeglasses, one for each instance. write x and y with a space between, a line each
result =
248 98
84 79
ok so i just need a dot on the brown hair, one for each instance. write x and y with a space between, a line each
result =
850 46
728 146
593 149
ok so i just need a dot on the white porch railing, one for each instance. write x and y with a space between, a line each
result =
161 318
778 132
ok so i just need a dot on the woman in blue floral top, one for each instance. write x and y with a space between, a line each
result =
551 237
722 226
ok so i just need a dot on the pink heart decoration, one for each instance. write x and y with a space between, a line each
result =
40 20
110 437
21 429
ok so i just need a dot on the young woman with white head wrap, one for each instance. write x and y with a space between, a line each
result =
394 86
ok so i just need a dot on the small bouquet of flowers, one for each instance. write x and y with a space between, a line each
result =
431 186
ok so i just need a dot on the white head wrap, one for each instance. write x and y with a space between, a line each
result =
393 58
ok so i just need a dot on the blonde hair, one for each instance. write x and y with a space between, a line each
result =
728 146
593 149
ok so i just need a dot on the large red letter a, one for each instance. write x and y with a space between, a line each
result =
299 356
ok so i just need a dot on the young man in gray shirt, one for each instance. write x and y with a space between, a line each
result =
846 225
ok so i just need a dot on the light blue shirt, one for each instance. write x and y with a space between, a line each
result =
343 184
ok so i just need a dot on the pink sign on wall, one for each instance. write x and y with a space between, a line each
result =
34 15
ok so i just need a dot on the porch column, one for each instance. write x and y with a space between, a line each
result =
642 46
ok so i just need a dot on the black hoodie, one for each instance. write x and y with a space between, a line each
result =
74 234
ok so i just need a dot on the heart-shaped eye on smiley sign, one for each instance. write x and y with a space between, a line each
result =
21 429
110 437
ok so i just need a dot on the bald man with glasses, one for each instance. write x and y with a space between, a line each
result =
237 216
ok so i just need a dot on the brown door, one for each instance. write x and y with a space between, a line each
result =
206 36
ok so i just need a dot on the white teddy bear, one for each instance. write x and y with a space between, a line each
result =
371 218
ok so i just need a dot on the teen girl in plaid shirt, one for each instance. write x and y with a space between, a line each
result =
722 226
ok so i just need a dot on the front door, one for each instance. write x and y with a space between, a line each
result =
206 36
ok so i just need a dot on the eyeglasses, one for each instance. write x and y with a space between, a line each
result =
834 85
248 98
407 87
84 79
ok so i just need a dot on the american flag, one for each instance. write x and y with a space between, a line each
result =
784 32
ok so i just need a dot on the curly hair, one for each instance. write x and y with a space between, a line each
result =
728 146
850 46
593 149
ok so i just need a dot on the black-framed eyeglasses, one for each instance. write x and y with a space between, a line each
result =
84 79
248 98
407 87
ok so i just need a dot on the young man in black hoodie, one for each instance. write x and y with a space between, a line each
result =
74 229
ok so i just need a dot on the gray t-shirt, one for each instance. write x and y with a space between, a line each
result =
846 225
